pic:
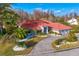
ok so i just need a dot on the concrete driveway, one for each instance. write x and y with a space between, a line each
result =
44 48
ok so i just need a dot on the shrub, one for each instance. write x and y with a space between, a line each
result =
21 44
51 32
30 43
58 42
40 33
2 32
71 37
20 33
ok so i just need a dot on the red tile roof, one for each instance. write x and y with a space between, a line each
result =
36 25
59 26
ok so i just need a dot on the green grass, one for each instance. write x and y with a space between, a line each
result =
6 50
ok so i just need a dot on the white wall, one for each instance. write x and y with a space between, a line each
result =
73 21
61 31
57 31
42 29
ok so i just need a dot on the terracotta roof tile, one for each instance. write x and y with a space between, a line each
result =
36 25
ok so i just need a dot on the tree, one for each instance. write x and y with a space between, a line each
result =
8 17
37 14
23 15
61 20
51 16
73 15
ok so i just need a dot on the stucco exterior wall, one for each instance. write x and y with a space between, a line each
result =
73 21
55 31
42 29
62 32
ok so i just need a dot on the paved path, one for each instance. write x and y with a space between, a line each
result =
43 47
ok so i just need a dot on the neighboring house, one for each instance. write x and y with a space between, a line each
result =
44 26
73 21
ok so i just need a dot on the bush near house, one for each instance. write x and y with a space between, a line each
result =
20 33
51 32
71 37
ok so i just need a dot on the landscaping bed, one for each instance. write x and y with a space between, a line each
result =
65 46
70 41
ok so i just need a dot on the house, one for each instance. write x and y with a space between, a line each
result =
45 26
73 21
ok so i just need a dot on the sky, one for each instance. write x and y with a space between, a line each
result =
58 8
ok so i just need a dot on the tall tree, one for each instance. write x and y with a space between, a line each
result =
8 16
51 15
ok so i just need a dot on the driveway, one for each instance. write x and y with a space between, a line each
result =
44 48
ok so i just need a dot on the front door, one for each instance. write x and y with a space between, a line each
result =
46 30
